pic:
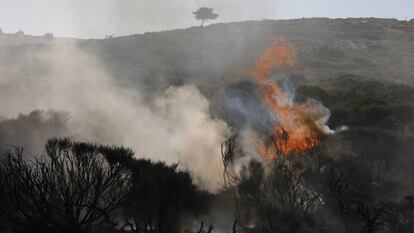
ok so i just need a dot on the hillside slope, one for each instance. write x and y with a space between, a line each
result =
372 48
210 57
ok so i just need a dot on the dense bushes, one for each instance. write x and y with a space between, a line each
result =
380 114
160 195
83 187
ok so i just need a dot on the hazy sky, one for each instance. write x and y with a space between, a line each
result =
97 18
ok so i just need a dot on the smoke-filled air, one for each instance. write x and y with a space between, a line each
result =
233 119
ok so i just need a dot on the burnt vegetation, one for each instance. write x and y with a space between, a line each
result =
360 180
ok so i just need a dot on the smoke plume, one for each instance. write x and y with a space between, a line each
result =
175 127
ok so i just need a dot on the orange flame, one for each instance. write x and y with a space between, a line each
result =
293 130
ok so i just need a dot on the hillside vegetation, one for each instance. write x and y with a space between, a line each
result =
217 54
373 48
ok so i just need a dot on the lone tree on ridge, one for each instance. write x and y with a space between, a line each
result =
204 14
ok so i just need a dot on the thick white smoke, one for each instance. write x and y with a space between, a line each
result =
174 127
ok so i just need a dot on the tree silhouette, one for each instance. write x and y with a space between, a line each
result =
159 195
204 14
280 199
74 188
48 36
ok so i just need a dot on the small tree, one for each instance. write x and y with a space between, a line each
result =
75 188
159 195
279 199
204 14
48 36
